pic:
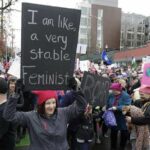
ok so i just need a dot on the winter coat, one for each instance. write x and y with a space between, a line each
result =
142 132
46 133
144 120
7 132
124 99
85 130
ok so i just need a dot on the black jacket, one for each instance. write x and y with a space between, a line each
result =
85 129
7 132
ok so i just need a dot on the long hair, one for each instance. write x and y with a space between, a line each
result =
41 109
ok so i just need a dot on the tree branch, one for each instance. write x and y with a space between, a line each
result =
5 7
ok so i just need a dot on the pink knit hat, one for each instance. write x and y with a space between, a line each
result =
145 89
116 86
45 95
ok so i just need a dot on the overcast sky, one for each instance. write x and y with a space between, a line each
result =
136 6
131 6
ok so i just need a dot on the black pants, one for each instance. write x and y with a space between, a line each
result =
123 138
104 129
71 136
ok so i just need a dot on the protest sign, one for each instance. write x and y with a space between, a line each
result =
48 49
95 89
84 65
14 69
146 74
81 49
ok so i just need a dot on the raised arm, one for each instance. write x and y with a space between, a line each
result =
77 108
10 113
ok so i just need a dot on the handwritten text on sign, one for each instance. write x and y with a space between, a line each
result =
95 88
49 41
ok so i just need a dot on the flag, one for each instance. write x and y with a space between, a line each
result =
105 58
133 63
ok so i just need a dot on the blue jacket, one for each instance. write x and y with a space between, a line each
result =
124 99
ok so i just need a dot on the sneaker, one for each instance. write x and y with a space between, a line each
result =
106 136
98 141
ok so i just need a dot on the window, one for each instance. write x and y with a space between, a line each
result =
84 21
84 10
132 36
83 41
139 36
129 44
129 36
139 43
83 31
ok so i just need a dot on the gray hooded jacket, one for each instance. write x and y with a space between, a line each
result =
45 133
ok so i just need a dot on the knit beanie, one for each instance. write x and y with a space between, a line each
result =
43 96
116 86
145 89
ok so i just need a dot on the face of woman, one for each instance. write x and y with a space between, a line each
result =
50 106
144 96
115 92
12 87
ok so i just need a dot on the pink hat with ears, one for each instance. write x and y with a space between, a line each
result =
145 89
43 96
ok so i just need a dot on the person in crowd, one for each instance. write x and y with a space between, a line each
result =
135 83
25 102
11 85
85 131
116 100
67 100
7 129
97 122
139 135
48 125
144 102
73 86
123 84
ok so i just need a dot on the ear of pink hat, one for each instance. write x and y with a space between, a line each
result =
145 89
116 86
45 95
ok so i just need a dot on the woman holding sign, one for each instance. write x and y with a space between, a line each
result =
48 126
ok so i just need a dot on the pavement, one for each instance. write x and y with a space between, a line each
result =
104 145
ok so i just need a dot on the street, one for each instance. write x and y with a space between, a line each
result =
105 145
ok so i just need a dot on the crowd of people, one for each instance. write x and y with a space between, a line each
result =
63 120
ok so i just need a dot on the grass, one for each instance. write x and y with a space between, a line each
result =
24 142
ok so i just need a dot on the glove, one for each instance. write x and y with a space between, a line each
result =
19 86
113 108
104 108
79 93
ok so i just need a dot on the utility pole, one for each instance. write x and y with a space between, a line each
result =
12 39
2 16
